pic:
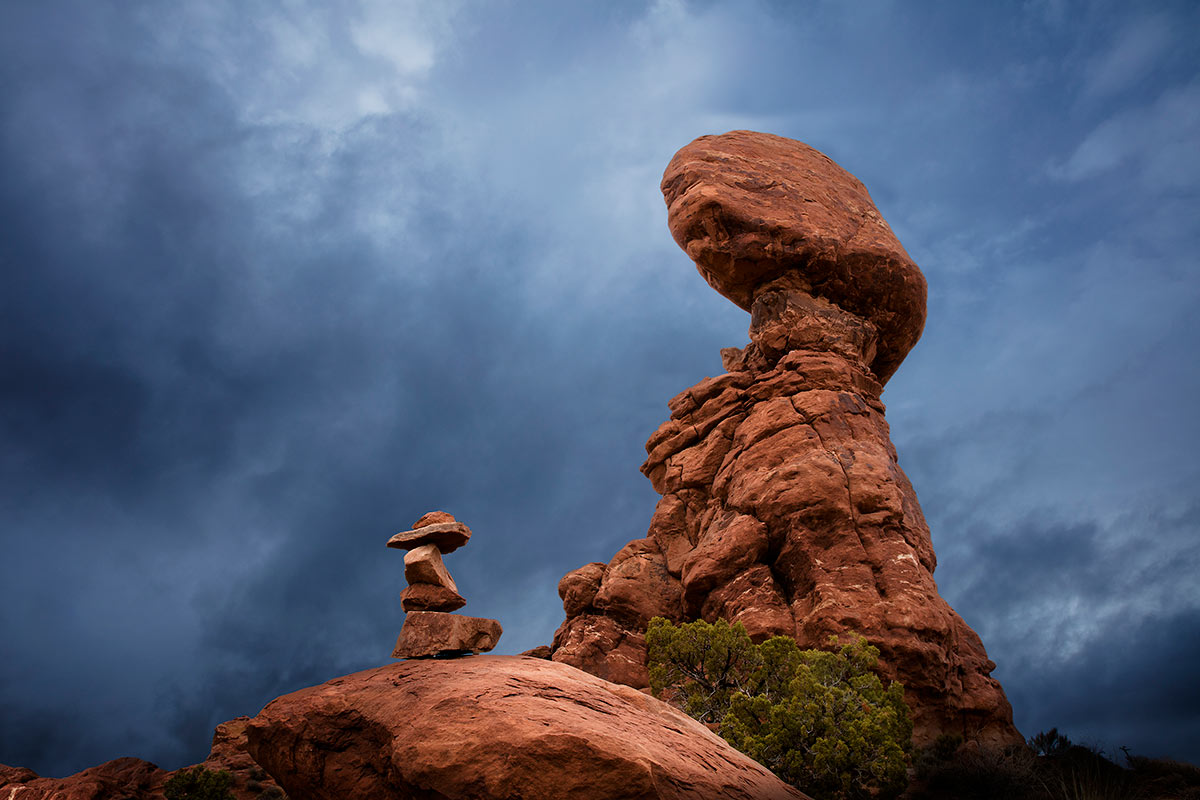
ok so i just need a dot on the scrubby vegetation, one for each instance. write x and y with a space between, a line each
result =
822 721
199 783
1050 768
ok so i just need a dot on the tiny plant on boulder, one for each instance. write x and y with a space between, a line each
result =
822 721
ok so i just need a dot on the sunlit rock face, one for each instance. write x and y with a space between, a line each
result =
783 504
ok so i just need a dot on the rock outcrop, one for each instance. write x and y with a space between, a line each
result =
135 779
429 627
122 777
783 505
490 727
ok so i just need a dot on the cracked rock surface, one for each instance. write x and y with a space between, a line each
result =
783 503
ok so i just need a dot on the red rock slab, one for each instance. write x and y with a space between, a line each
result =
448 536
749 208
433 633
428 597
433 518
496 727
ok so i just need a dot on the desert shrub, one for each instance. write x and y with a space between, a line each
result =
1083 773
199 783
1049 743
1165 778
700 665
822 721
947 770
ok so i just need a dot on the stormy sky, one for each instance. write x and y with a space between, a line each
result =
277 278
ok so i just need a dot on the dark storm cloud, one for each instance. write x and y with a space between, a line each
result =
274 283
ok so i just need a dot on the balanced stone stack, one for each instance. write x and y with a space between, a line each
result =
429 627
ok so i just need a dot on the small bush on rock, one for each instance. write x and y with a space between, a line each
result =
199 783
822 721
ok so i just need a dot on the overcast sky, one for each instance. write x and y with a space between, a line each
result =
278 278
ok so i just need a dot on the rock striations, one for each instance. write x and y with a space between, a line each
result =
783 505
429 627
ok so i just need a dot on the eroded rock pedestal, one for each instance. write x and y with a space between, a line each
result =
783 505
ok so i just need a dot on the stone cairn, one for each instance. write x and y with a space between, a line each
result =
784 506
429 627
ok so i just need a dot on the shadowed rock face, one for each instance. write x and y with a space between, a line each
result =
783 505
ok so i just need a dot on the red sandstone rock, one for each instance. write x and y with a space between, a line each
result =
604 647
433 518
578 587
492 727
250 781
783 503
448 536
130 778
432 633
427 597
424 565
750 208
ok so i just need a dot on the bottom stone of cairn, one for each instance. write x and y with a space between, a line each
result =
434 633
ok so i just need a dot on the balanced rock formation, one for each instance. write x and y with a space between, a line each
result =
429 629
783 505
491 727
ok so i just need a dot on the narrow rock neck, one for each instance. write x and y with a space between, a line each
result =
785 318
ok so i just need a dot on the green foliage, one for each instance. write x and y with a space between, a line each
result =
702 665
822 721
199 783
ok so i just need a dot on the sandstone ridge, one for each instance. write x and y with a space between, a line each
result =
783 503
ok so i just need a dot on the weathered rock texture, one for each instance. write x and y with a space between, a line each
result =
436 633
783 505
492 727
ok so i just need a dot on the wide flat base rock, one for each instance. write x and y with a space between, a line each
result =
434 633
495 727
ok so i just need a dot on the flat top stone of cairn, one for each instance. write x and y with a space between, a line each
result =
436 528
750 208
